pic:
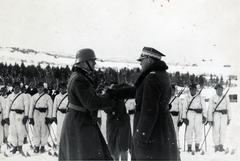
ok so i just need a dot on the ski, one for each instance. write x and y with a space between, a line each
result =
9 154
53 153
31 153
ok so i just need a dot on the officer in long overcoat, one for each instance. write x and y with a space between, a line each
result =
154 136
81 138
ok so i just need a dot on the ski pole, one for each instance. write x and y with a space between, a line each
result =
55 138
28 137
205 138
54 145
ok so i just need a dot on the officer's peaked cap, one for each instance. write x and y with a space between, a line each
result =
150 52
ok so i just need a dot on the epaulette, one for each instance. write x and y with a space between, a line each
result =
153 72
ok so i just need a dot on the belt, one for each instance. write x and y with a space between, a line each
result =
62 110
224 112
18 111
174 113
198 110
77 108
41 109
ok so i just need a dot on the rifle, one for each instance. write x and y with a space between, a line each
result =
178 95
205 137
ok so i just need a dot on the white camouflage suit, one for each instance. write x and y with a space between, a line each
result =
57 113
3 100
195 127
16 128
40 129
219 120
176 108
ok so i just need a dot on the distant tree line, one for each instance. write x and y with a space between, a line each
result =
31 75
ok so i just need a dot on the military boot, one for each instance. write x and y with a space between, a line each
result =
36 149
216 148
220 148
197 147
20 150
42 150
189 148
14 150
25 140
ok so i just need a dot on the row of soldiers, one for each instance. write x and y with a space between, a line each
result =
20 108
193 112
40 110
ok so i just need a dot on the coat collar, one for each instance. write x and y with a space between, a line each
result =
85 73
157 66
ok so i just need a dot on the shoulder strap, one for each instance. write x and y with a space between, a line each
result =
38 99
15 99
62 100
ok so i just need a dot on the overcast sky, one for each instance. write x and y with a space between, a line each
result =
186 31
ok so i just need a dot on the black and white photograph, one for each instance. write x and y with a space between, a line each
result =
119 80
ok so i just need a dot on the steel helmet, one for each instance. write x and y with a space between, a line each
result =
85 55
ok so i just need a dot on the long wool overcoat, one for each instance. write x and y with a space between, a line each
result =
154 136
81 138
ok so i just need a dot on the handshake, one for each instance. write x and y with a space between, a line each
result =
111 91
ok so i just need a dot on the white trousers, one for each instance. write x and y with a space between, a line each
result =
175 122
195 128
1 131
16 128
219 128
40 129
60 118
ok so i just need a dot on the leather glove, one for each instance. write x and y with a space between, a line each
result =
179 123
228 122
140 144
210 123
47 120
3 122
54 119
7 121
112 93
24 120
186 122
31 121
204 119
131 112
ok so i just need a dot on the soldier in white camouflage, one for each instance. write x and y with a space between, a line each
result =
219 116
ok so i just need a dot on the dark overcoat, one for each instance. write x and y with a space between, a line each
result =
118 129
154 136
81 138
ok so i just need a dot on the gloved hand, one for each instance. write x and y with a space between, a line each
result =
7 121
131 112
47 120
140 144
228 122
210 123
112 93
186 122
54 119
204 119
3 122
31 121
169 106
179 123
24 120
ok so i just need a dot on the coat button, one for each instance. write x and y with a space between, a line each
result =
143 133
